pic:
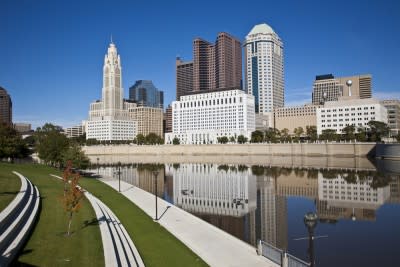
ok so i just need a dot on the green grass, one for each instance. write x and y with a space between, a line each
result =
155 244
10 184
48 245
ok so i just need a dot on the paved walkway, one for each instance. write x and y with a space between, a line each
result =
213 245
118 247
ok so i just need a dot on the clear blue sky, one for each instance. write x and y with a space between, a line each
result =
52 51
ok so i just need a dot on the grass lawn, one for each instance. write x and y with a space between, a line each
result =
156 245
48 245
10 184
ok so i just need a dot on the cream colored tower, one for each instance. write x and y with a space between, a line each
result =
112 93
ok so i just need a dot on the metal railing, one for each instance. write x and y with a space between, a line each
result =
272 253
279 256
296 262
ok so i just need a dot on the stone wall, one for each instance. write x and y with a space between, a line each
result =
283 149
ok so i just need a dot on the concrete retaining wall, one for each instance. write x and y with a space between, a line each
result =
300 149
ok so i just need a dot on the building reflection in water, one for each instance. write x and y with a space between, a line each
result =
251 202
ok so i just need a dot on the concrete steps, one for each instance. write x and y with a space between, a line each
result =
17 219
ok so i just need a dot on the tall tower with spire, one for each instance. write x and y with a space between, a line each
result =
112 93
109 117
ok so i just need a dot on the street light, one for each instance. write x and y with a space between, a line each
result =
97 165
155 173
310 221
119 176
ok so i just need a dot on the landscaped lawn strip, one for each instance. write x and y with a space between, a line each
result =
10 184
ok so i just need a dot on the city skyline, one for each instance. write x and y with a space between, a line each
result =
53 50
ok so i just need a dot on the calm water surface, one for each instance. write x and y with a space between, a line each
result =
358 205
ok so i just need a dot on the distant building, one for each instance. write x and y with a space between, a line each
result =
393 112
109 118
144 93
74 131
264 68
5 107
357 112
202 118
184 77
217 66
294 117
148 119
168 119
328 88
22 127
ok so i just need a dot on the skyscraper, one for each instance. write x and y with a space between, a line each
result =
5 107
144 93
184 77
264 68
328 88
217 66
109 118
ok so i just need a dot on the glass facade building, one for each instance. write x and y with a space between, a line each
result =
144 93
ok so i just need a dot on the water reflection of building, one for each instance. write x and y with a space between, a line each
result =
297 184
209 189
339 198
271 213
394 186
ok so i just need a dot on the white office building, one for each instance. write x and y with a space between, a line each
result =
210 189
264 68
357 112
202 118
109 118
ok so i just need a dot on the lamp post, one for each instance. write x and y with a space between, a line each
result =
310 221
97 165
155 173
119 176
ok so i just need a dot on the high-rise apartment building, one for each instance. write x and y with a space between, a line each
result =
264 74
168 119
5 107
215 67
184 77
393 111
144 93
328 88
148 119
109 118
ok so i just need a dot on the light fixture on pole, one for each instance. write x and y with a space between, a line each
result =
155 174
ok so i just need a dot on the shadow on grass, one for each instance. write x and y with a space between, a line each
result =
92 222
10 192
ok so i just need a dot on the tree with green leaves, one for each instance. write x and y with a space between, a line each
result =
11 144
176 141
272 135
298 132
329 135
140 139
75 155
51 144
257 137
311 132
285 137
349 132
222 139
377 130
241 139
232 139
361 135
153 139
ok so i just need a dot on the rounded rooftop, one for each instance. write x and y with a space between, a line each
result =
261 28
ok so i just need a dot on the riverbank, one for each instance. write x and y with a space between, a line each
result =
281 149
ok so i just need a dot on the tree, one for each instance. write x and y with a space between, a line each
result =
377 130
328 135
232 139
398 137
140 139
311 132
50 144
153 139
11 144
298 132
222 139
257 137
272 135
176 141
75 155
348 132
241 139
73 194
285 137
361 135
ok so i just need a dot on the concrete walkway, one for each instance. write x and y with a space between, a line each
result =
118 247
213 245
